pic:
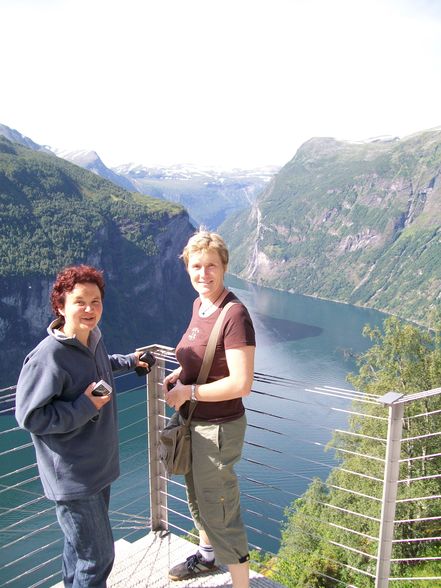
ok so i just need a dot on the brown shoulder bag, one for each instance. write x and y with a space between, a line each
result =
175 438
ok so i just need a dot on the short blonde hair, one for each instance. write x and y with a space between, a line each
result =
203 241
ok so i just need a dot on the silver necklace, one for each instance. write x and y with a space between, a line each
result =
204 311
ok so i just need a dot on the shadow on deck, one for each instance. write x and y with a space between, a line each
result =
145 563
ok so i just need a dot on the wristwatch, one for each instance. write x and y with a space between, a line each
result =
193 393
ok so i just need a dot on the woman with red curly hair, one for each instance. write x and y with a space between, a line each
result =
74 432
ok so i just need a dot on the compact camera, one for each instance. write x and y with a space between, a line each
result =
102 388
148 358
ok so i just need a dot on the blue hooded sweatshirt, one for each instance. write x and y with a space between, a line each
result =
76 445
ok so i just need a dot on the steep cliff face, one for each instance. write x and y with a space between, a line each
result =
54 214
358 223
146 302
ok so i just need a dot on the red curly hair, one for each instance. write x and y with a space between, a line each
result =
68 278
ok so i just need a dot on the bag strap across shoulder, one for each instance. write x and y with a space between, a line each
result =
211 345
207 362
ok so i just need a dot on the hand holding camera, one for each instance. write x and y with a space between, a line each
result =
99 394
101 388
149 358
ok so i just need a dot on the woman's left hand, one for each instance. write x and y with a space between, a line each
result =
178 395
138 363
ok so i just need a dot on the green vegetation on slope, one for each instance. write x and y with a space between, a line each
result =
358 223
405 359
52 213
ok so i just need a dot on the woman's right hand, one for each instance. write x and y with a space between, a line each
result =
98 401
172 378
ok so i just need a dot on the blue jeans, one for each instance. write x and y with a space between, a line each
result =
88 541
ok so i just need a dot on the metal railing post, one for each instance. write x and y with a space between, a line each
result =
390 487
156 422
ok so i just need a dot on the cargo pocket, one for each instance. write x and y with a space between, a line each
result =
231 503
222 504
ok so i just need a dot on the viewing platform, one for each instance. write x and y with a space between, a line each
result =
145 563
294 439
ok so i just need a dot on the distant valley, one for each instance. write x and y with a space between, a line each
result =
210 195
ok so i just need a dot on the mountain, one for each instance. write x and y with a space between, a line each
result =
17 137
53 214
354 222
209 195
90 160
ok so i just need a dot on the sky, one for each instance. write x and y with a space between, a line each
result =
227 83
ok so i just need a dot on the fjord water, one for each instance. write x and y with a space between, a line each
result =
305 338
308 340
313 343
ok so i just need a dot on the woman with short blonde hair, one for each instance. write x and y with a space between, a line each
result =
219 422
205 241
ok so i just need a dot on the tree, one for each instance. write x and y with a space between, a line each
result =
405 359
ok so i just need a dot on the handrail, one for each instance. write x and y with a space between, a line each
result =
271 476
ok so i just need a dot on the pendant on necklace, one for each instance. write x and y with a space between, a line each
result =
210 306
205 310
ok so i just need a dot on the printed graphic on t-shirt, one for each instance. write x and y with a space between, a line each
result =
193 334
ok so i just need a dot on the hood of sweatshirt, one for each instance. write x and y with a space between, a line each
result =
54 331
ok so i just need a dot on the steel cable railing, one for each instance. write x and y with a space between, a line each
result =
282 470
340 394
29 526
129 511
269 472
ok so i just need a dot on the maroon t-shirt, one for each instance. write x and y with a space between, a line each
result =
237 331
